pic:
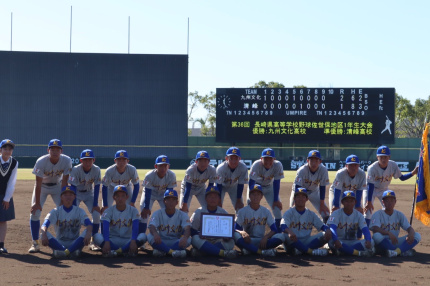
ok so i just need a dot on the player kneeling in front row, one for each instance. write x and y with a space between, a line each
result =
297 225
120 227
251 227
169 228
213 246
344 224
386 226
67 220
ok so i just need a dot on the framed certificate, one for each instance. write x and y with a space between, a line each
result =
217 225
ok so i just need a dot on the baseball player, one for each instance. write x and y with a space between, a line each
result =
169 229
232 175
120 227
313 176
194 183
349 178
213 246
67 220
268 172
386 226
155 184
344 224
8 171
84 176
120 173
379 176
52 173
251 224
297 223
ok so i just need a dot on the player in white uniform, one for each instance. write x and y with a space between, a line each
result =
86 177
120 173
344 224
213 246
120 227
313 176
67 220
169 229
251 224
297 224
386 226
52 172
379 176
155 184
268 172
349 178
194 183
232 175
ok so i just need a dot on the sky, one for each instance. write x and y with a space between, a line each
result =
238 43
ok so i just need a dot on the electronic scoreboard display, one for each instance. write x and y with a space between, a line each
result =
296 115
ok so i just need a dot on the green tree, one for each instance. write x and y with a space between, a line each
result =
409 121
270 84
208 123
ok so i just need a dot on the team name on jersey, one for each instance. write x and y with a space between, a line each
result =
121 182
71 223
57 173
310 182
381 179
121 222
170 228
229 180
352 187
146 182
196 181
391 226
301 225
255 221
348 226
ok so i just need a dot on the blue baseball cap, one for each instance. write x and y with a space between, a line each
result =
268 152
233 151
388 193
170 194
301 191
120 188
121 154
212 189
87 153
314 154
383 151
202 154
55 143
348 194
66 189
352 159
162 159
7 142
256 187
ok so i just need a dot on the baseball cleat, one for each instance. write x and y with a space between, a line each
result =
297 252
269 252
111 253
75 254
245 251
230 254
365 253
196 253
391 253
3 250
59 254
179 253
93 247
410 252
35 247
158 253
320 252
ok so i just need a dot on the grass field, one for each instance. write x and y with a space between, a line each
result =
25 174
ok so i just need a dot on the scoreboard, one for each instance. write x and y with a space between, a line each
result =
305 115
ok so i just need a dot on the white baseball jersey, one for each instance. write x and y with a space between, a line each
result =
391 223
311 181
67 225
197 179
382 178
120 222
169 227
85 181
52 174
158 185
229 178
301 224
254 222
344 182
113 178
265 177
347 225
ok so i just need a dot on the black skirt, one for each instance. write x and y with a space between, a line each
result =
9 214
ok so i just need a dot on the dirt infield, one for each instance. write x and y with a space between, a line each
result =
21 268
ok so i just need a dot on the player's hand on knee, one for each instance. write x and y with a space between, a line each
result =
45 241
183 242
35 207
337 244
393 238
263 242
145 213
96 209
368 244
106 247
327 235
103 209
410 238
157 238
368 207
239 204
277 204
87 238
133 247
184 208
324 208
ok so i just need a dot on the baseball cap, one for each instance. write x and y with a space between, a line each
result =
120 188
212 189
383 151
55 143
348 194
162 159
170 194
121 154
352 159
7 142
87 153
202 154
314 154
233 151
257 187
301 191
268 152
68 189
388 193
